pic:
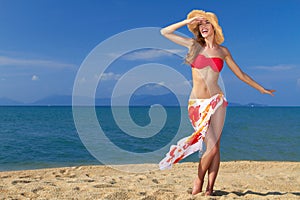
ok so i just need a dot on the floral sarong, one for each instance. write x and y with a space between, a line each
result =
200 111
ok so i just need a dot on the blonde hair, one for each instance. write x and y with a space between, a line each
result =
196 47
194 50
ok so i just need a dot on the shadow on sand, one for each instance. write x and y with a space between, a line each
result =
240 194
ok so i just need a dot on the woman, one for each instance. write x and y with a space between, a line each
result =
207 104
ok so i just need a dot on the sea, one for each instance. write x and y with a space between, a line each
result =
34 137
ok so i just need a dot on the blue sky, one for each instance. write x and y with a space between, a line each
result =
43 43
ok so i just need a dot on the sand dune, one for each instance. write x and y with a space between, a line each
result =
236 180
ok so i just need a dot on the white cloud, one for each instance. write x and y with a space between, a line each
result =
35 78
155 86
10 61
109 76
275 67
149 54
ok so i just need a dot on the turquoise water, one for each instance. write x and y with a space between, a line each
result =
42 137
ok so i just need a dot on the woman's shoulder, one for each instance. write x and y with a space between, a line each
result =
225 50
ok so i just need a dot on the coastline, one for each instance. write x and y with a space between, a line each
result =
236 180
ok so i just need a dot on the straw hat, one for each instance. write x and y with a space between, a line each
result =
212 18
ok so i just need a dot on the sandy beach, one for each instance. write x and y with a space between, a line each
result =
236 180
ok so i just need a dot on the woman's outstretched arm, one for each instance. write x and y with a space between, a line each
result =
243 76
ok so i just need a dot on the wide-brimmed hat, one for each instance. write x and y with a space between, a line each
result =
212 18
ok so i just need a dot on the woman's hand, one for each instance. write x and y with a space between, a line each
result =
266 91
194 20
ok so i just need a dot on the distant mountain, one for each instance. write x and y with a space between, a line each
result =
102 102
66 100
136 100
256 105
54 100
9 102
146 100
232 104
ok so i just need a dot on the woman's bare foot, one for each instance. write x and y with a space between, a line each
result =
209 192
197 188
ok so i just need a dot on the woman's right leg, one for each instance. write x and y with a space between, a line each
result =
205 161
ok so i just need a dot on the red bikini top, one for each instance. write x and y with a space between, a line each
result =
201 61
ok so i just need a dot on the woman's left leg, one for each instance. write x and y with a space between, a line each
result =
216 123
213 172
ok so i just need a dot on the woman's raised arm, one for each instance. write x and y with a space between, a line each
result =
168 32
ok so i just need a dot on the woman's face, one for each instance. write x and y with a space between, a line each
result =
205 27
